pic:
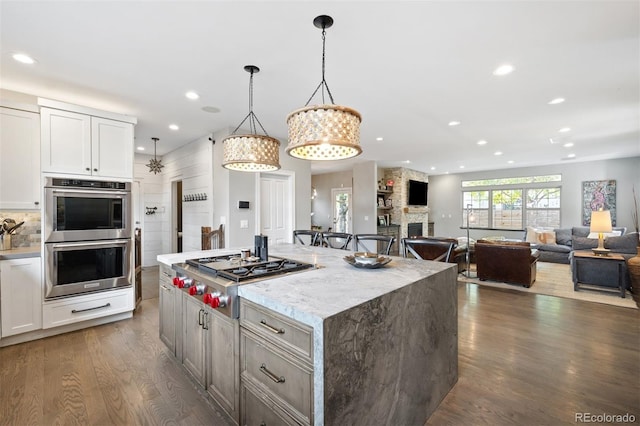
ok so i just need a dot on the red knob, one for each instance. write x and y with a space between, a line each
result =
176 280
215 302
206 298
193 290
180 283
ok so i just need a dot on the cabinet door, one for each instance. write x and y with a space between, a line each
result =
223 375
193 337
66 142
20 154
112 148
167 321
21 295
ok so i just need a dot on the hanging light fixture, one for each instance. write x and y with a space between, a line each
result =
251 153
155 165
328 131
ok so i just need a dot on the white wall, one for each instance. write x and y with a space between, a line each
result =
322 204
445 196
365 178
150 196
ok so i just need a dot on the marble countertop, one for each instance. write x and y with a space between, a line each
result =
20 253
334 286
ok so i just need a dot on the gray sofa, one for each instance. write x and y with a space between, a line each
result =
559 252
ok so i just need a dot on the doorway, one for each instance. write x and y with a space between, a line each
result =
341 200
176 216
276 207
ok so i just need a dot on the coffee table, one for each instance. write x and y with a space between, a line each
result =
609 270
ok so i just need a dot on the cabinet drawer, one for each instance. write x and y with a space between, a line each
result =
166 274
259 411
285 332
82 308
290 381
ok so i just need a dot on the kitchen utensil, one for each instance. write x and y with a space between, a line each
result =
7 224
13 230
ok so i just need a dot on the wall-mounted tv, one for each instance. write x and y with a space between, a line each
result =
418 192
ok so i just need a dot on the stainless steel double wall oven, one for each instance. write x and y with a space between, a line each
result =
88 236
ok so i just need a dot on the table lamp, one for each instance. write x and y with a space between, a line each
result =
600 223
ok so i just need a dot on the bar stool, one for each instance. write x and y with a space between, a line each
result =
313 237
382 243
337 240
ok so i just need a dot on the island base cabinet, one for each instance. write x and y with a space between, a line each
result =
193 335
223 368
169 311
258 410
278 376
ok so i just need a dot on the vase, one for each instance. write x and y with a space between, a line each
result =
633 266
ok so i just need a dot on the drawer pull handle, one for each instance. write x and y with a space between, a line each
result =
166 274
270 375
271 328
77 311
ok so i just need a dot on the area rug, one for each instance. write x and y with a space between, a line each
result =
554 279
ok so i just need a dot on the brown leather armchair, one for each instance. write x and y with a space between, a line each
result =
506 261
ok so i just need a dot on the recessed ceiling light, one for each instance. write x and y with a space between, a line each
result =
571 156
510 162
433 168
140 148
497 153
504 70
565 130
192 95
556 101
482 142
454 123
462 167
379 139
568 145
174 127
211 109
407 161
25 59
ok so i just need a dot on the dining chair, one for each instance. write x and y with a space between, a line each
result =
437 249
299 236
337 240
382 243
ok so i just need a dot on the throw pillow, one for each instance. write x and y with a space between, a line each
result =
546 237
530 236
583 243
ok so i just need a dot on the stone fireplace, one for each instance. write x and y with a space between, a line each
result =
414 229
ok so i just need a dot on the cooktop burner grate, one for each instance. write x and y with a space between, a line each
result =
235 269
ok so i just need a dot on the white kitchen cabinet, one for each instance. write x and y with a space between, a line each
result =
81 144
20 154
20 295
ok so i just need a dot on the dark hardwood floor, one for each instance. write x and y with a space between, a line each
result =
524 359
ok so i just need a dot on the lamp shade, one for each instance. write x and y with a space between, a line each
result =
251 153
600 221
324 132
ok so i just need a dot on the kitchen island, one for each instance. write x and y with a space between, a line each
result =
383 342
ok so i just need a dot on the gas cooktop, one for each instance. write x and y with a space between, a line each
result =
236 269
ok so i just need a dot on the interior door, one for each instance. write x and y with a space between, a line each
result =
341 200
276 208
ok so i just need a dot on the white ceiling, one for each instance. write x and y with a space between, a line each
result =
409 67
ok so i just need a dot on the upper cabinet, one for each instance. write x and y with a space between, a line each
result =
88 144
20 154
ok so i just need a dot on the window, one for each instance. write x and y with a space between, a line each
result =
511 203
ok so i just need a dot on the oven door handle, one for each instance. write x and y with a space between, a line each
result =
91 244
89 192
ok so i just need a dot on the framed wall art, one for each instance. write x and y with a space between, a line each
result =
598 194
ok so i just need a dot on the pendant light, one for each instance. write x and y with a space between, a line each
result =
328 131
155 165
251 153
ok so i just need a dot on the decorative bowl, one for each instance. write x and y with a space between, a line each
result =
365 257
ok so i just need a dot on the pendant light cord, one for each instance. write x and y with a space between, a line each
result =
323 84
253 119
